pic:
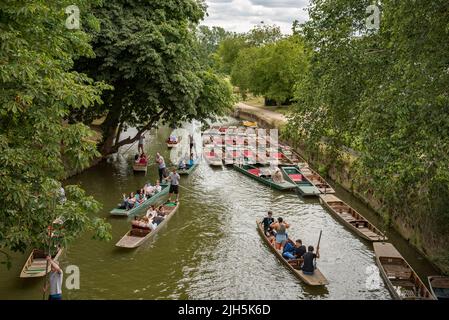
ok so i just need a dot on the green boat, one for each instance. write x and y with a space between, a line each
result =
188 171
305 188
262 175
144 205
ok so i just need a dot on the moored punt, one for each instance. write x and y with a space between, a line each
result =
400 278
263 175
305 188
36 264
317 279
351 218
188 171
317 180
439 286
137 236
213 159
135 210
278 157
249 124
137 167
172 144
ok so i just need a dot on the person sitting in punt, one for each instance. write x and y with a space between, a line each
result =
157 220
281 233
182 165
277 176
151 212
143 159
172 139
140 198
128 202
294 250
309 265
149 190
160 211
158 187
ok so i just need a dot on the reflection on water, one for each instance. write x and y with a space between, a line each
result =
210 249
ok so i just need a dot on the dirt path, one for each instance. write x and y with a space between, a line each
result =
268 116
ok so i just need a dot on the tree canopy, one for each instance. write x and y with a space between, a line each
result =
146 51
38 91
384 93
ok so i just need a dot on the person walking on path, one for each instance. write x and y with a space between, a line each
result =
174 178
55 280
161 165
141 142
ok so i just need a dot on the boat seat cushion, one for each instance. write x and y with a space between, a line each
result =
255 172
295 177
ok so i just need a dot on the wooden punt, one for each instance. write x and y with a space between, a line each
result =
305 188
351 218
317 279
189 170
317 180
213 159
172 144
36 264
249 124
144 205
256 172
400 278
136 237
439 286
137 167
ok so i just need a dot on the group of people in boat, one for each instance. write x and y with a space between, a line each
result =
172 139
185 165
295 253
141 159
151 220
133 200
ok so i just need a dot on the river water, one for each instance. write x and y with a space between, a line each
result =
211 249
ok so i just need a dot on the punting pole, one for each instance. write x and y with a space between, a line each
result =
319 241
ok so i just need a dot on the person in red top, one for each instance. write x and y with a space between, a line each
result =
143 159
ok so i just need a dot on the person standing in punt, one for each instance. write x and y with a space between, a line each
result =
174 178
161 165
281 233
267 221
141 142
55 280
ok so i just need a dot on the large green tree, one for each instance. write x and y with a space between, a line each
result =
147 51
37 92
271 70
384 93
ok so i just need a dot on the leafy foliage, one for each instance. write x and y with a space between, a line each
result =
146 50
271 70
385 95
38 90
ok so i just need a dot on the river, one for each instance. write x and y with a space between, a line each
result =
211 249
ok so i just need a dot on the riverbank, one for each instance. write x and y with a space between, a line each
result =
342 173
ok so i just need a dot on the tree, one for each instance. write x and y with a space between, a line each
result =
38 90
146 51
271 70
384 93
209 40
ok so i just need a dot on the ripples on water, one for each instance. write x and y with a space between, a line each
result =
211 248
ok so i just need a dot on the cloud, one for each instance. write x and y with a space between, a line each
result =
242 15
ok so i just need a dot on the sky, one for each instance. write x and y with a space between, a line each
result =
242 15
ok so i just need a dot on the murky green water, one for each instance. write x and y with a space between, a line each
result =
211 249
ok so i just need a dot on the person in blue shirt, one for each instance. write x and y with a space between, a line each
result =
294 250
